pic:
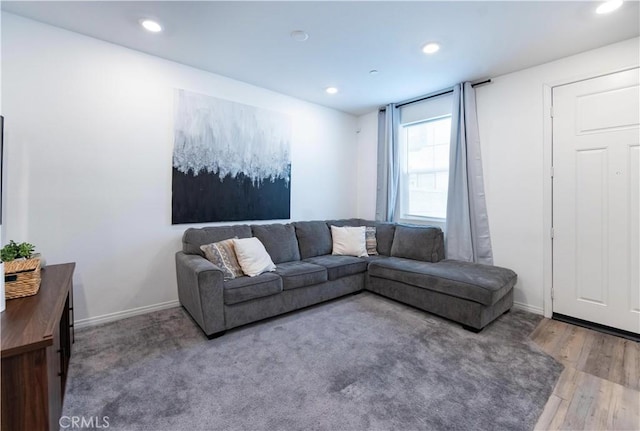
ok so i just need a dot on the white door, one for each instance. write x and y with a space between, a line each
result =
596 157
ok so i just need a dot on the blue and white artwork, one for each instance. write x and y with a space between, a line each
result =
231 161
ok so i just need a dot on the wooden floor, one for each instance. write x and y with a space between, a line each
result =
599 388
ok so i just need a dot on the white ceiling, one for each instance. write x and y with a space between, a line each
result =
250 41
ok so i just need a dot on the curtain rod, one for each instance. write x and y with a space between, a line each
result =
436 94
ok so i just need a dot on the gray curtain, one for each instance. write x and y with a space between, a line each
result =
467 235
388 165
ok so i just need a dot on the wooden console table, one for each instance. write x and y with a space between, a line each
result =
37 334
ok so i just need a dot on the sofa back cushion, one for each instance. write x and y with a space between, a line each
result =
314 238
384 236
348 222
384 231
279 240
425 243
193 238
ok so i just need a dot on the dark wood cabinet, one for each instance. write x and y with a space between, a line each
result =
37 334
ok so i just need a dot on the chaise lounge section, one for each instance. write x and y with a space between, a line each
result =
409 267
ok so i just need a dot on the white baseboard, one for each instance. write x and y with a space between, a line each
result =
112 317
529 308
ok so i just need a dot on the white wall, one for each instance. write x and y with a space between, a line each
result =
89 145
511 119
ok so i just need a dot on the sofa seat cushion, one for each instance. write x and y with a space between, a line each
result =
375 258
483 284
300 274
339 266
247 288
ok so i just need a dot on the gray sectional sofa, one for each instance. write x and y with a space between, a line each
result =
409 268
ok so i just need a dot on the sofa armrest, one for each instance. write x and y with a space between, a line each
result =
201 291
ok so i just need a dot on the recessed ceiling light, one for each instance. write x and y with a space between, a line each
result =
151 25
331 90
431 48
299 35
609 6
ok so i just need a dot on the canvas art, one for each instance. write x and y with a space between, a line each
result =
231 162
1 161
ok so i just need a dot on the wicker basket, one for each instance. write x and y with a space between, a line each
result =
21 277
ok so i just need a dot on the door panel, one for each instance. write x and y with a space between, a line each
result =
617 115
595 200
634 228
591 249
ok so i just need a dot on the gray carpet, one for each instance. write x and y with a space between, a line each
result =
358 363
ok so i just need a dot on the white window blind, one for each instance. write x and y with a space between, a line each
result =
424 156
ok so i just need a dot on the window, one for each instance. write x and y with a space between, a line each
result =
425 168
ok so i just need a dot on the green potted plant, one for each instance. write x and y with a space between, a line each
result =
18 257
14 251
21 269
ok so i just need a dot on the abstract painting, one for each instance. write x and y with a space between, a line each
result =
1 161
231 161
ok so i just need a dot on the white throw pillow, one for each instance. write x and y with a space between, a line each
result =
252 256
349 241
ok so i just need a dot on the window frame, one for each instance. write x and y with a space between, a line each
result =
404 216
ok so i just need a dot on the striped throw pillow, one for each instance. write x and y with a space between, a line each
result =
370 238
223 254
